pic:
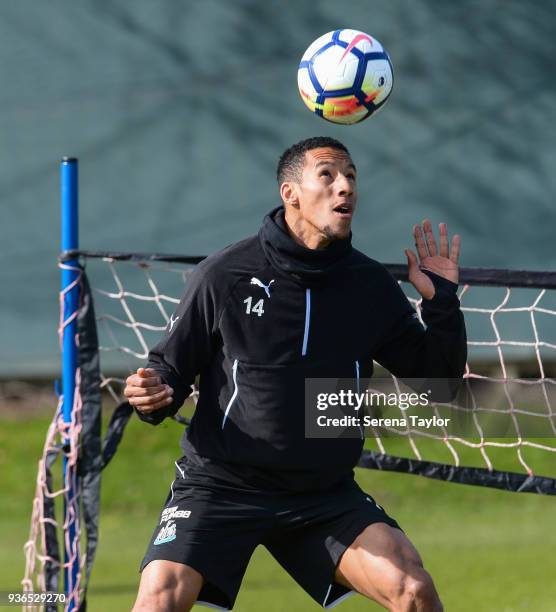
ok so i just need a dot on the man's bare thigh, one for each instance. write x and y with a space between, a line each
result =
383 565
167 586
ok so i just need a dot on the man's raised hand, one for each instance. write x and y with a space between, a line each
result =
443 262
146 392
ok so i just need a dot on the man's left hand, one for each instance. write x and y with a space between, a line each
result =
443 263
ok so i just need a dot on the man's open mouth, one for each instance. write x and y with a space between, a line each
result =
344 210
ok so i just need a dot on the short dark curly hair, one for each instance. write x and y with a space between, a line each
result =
292 160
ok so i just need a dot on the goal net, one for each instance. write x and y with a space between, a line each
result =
511 369
125 305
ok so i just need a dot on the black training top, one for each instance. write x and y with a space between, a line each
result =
264 314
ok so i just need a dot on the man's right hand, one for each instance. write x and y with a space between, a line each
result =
146 392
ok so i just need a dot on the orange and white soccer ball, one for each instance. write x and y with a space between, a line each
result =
345 76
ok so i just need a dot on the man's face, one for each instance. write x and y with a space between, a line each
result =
326 196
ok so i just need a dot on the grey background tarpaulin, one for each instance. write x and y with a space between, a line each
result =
178 112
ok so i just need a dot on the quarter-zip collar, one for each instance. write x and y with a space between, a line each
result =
294 259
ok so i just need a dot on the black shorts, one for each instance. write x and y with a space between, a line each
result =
215 530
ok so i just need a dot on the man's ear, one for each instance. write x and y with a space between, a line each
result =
289 194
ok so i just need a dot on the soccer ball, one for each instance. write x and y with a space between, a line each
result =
345 76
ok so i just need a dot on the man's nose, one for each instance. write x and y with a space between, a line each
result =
343 185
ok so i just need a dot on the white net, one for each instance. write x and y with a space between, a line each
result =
43 560
509 383
133 303
509 377
510 370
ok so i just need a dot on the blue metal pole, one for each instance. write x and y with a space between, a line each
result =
69 240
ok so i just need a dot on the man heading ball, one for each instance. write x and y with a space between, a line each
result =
295 301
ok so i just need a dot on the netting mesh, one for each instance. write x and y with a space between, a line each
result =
43 562
511 358
131 318
512 354
512 347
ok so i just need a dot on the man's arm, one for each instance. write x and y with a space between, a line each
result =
440 351
179 357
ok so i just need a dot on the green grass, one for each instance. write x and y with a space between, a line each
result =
487 550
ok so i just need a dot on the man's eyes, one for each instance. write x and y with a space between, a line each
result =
327 173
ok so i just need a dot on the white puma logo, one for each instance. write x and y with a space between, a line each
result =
172 322
256 281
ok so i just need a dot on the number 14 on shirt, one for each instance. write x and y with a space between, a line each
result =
257 308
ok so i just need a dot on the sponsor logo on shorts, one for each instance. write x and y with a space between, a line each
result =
166 534
173 513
